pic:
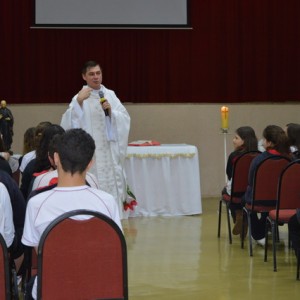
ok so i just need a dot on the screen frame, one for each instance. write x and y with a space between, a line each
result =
35 25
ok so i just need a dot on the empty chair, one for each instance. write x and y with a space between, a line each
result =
288 199
82 259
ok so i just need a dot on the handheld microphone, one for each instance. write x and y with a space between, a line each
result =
102 100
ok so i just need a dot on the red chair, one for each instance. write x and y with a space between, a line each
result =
82 259
8 278
238 186
288 199
264 194
5 278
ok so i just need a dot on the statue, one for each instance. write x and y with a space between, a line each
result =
6 125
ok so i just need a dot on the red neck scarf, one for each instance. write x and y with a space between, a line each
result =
274 152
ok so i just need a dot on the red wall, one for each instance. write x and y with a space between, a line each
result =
237 51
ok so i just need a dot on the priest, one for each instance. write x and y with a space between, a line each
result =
98 111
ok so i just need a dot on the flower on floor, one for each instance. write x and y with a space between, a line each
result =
130 202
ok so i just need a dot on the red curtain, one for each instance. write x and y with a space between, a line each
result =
236 51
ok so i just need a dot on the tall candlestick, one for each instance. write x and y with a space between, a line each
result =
224 117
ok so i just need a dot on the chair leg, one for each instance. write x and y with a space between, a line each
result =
220 215
15 290
267 240
298 263
14 281
243 229
228 224
274 227
250 233
277 234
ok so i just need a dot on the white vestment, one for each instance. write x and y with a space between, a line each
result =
111 139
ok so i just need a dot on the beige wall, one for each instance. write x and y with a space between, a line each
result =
196 124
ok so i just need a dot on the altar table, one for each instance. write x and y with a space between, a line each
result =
165 179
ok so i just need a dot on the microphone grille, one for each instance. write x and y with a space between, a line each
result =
101 94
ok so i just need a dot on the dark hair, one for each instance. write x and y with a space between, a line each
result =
39 132
278 138
29 137
75 149
293 133
53 145
247 134
89 64
42 161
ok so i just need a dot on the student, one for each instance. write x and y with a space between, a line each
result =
28 142
49 177
244 140
11 236
75 150
7 228
4 165
275 142
37 137
293 133
41 162
7 155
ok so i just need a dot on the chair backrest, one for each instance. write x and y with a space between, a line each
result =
240 173
82 259
289 187
266 178
4 271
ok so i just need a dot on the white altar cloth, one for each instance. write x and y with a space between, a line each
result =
165 179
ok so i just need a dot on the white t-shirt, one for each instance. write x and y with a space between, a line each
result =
260 146
26 159
45 178
14 164
7 228
45 207
13 161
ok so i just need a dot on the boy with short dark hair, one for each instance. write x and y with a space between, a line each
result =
75 150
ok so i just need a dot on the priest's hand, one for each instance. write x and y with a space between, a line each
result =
106 106
83 94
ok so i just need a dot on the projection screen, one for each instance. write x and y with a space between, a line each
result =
111 13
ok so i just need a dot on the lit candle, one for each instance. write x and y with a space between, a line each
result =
224 117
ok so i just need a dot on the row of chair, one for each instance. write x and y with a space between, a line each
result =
77 259
276 185
288 200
